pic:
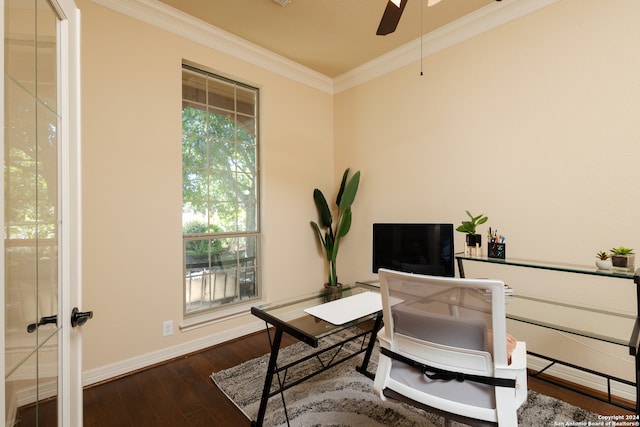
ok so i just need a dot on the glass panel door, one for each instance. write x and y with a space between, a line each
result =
31 207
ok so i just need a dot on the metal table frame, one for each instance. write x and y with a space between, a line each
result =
311 336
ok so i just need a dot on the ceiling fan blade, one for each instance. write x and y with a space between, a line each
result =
391 17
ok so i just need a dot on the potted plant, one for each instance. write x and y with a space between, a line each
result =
622 257
469 227
603 262
330 232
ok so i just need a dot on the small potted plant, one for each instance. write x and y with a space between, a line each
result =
472 238
603 262
623 257
335 230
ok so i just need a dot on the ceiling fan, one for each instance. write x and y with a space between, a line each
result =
392 14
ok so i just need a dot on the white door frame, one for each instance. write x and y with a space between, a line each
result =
70 342
3 409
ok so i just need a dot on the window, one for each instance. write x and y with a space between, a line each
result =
220 206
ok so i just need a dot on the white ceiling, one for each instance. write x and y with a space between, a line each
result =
328 36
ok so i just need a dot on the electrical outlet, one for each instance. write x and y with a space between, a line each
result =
167 328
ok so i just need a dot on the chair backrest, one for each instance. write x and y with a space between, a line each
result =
444 348
449 323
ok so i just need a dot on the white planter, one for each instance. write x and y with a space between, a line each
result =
604 264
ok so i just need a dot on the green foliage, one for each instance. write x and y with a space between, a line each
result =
621 250
195 227
602 255
329 232
469 227
202 248
219 164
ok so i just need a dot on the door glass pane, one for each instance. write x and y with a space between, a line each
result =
31 206
32 387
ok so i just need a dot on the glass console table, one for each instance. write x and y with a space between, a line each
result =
608 326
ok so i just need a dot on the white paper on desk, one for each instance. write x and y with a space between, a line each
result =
347 309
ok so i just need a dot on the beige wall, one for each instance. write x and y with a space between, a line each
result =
132 269
533 123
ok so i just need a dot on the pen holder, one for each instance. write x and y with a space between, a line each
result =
496 250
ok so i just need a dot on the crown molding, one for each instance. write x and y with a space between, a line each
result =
487 18
169 19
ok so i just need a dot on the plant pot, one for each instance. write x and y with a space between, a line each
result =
604 264
473 243
474 240
623 261
332 293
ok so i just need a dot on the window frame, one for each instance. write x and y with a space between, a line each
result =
237 304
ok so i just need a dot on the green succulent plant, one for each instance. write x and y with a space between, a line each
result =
621 251
469 227
602 255
330 232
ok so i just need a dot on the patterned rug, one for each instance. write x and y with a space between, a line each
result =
341 396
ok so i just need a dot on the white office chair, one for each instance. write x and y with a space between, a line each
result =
444 349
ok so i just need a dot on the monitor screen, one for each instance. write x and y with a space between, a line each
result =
414 248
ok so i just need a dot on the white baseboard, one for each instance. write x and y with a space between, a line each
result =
94 376
582 378
123 367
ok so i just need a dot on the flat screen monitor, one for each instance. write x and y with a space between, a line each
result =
414 248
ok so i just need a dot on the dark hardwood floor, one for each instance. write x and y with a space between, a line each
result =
180 392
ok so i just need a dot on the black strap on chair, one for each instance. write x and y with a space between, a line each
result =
442 374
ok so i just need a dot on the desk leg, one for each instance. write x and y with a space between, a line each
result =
635 339
637 358
271 369
460 268
372 341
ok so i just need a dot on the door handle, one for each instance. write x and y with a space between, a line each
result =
79 318
43 321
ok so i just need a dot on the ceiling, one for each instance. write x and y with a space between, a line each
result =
328 36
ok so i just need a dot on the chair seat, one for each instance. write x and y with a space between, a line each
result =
463 392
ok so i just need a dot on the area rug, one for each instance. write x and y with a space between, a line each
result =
341 396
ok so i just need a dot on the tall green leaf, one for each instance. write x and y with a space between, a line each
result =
342 184
331 246
318 233
345 224
350 191
323 208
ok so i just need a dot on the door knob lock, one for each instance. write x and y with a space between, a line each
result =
79 318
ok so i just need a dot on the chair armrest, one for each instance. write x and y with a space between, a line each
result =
518 361
519 356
